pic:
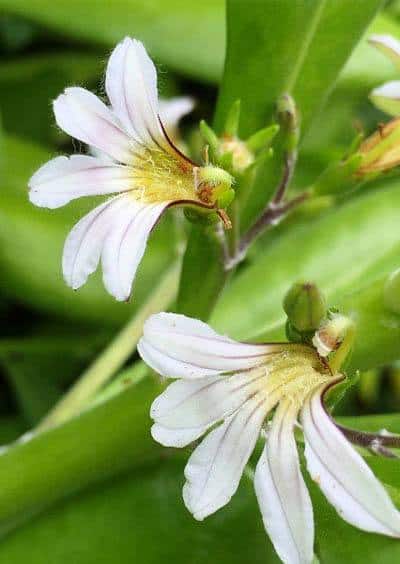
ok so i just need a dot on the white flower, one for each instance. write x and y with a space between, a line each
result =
227 389
387 96
141 165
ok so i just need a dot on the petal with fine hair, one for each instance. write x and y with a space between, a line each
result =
83 115
214 469
342 474
131 85
282 494
66 178
182 347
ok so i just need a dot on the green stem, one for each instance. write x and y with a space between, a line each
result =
115 355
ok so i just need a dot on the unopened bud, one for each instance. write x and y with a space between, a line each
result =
330 336
241 156
305 307
288 118
381 151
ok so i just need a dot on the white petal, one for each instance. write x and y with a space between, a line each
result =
387 97
125 245
282 494
214 469
84 116
388 45
343 476
177 438
84 243
131 85
173 110
195 405
181 347
63 179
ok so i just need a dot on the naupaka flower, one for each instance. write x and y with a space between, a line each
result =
228 389
140 164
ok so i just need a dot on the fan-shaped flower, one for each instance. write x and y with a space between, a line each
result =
141 165
227 389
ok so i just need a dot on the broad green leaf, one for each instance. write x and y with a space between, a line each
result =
40 368
102 442
286 47
44 77
187 36
31 242
340 252
202 275
373 423
142 518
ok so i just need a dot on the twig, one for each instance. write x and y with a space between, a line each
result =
375 442
275 211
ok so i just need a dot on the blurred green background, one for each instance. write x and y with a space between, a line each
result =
50 334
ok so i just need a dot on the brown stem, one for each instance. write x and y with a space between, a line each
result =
275 211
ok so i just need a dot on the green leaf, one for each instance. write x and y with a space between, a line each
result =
339 252
44 77
286 47
40 369
102 442
126 517
187 36
202 275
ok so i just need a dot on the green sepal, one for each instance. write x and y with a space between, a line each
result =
209 136
262 138
337 393
226 198
231 127
339 177
226 161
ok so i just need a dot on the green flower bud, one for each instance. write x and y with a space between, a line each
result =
289 121
305 306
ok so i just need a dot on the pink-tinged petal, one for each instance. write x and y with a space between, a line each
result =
388 45
83 115
387 97
131 85
173 110
214 469
343 476
66 178
83 246
282 494
177 346
125 245
191 407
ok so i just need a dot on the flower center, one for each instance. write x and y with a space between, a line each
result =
293 373
158 176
